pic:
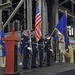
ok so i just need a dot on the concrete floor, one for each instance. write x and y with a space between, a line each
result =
54 69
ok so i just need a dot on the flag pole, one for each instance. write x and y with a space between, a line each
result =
29 26
29 22
66 12
20 42
20 48
65 44
2 46
52 32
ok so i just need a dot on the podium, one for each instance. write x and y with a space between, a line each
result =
11 46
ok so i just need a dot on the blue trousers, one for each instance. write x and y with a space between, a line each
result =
40 55
48 57
25 57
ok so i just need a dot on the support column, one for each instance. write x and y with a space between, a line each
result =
53 20
44 17
0 14
29 14
40 5
52 14
57 52
73 20
25 14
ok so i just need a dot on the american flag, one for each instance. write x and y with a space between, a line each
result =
38 22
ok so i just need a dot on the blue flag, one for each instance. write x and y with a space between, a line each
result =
61 26
0 38
3 45
20 49
56 38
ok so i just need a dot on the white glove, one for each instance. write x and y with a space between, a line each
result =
48 38
51 50
29 48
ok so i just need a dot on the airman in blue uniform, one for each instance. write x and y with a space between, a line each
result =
34 49
40 47
25 45
47 48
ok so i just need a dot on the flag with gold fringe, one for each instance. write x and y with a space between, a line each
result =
2 43
38 22
62 28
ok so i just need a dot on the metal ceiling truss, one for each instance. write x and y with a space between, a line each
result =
63 2
5 5
72 1
13 13
62 9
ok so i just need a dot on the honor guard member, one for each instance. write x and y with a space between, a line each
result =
34 49
25 52
40 47
47 48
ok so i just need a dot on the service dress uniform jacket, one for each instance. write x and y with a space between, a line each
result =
25 45
40 47
47 50
34 51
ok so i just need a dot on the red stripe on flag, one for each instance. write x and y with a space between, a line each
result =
38 19
38 15
38 32
38 22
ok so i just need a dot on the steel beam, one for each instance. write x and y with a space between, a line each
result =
13 13
63 2
72 1
62 9
5 5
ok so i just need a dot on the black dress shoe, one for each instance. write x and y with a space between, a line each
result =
25 67
48 65
33 67
40 66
